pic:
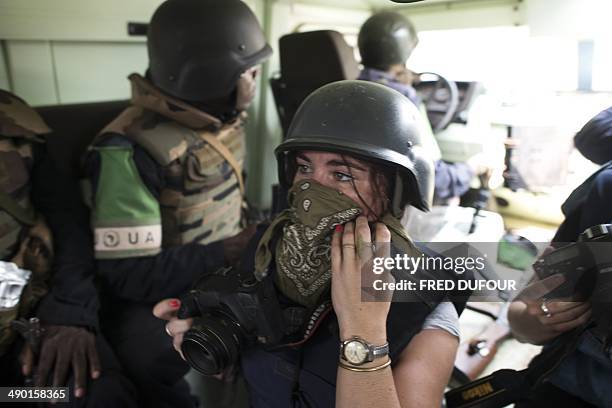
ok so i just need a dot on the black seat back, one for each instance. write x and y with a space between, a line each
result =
308 61
74 126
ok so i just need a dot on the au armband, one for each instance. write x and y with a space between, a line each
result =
126 216
120 242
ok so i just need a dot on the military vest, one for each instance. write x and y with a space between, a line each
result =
202 194
20 126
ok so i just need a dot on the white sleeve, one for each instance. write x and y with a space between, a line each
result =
444 317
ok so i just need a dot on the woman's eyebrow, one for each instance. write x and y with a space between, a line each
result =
302 157
346 164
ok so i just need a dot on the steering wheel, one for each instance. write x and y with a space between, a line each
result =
441 99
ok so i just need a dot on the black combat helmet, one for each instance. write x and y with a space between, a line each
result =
386 39
370 121
199 48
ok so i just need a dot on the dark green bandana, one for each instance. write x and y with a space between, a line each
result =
303 250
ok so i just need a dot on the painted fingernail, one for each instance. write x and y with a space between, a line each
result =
95 374
78 392
339 228
175 303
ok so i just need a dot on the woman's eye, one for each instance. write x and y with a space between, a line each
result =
303 168
343 176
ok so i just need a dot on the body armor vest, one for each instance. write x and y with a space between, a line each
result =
201 198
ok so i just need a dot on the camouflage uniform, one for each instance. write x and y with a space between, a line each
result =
20 130
201 197
165 182
29 179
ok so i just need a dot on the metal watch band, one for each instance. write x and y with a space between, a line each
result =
380 351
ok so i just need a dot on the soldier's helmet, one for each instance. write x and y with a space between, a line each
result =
199 48
385 39
369 121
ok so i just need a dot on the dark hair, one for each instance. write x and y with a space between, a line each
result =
380 180
381 177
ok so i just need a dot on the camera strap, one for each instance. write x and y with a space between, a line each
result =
506 386
309 328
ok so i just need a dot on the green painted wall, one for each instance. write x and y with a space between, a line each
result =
90 71
5 82
77 20
30 66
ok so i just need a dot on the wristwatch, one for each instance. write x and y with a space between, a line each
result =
357 351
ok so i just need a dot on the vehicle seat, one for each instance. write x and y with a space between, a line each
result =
73 128
308 61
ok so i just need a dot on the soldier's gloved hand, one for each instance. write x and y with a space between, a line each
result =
64 348
234 247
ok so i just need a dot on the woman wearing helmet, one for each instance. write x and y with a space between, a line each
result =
352 157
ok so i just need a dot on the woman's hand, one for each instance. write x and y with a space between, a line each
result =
536 319
176 328
351 251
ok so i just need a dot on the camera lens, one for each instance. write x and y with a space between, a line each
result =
212 344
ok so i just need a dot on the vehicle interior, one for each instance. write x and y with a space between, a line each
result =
513 80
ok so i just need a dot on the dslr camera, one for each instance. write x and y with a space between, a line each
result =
587 267
580 263
231 312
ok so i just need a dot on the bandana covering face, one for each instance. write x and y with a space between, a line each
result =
303 252
303 249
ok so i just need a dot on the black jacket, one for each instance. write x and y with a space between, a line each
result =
72 299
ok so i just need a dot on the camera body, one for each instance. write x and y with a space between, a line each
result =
231 311
587 266
580 263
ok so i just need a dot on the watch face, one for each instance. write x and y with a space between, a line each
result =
355 352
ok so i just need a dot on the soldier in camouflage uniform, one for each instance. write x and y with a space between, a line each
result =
166 183
25 271
59 337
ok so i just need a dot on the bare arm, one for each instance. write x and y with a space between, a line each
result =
418 379
423 368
